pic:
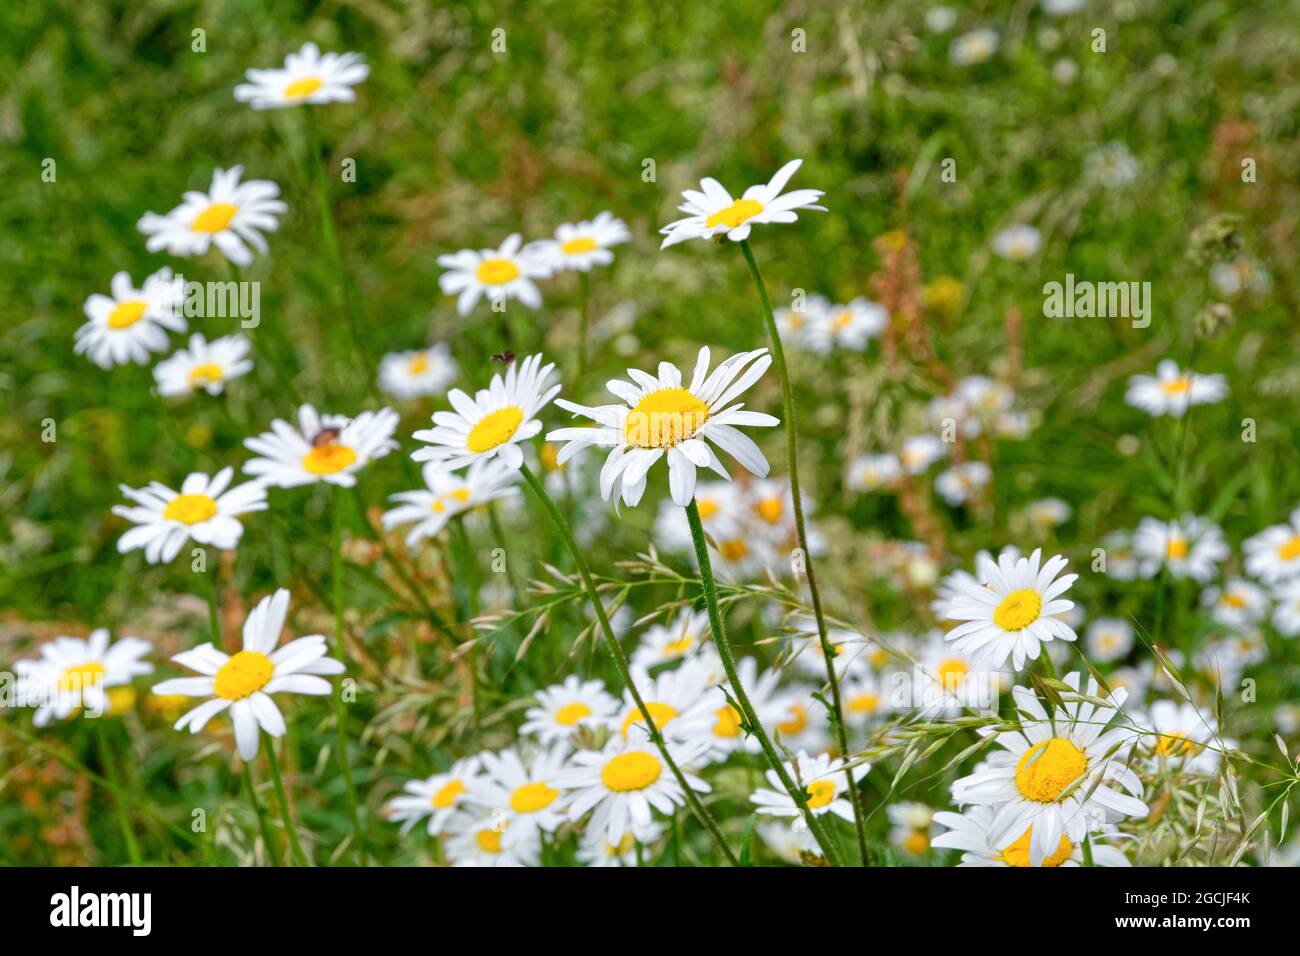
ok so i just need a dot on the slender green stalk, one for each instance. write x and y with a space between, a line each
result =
340 652
214 607
584 300
620 661
109 762
299 857
517 591
792 462
272 848
755 726
1162 585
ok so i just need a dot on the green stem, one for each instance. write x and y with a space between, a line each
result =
107 758
755 726
340 652
299 857
272 848
584 299
214 606
792 462
620 661
1162 585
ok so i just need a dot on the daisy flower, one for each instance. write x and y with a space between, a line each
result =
974 47
1121 563
1225 658
1047 513
727 734
870 472
231 215
972 832
244 682
624 783
849 326
666 644
204 365
865 699
307 77
203 510
1286 610
1171 391
919 452
130 323
498 274
596 850
712 212
1109 639
1017 242
959 483
661 418
1013 611
823 780
1237 604
799 325
329 448
789 844
1180 737
1273 555
683 703
493 840
948 681
579 246
1056 775
562 709
446 495
526 793
1190 547
1113 165
438 797
494 421
75 673
417 373
910 826
799 720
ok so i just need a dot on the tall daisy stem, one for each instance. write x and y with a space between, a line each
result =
214 606
755 726
620 661
584 301
299 857
340 652
792 463
272 849
109 762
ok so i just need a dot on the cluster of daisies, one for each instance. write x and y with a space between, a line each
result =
819 325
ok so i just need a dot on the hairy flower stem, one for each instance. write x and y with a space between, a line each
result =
792 462
620 661
299 857
340 652
755 726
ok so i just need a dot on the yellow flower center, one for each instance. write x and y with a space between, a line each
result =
678 647
80 676
418 365
631 771
205 374
734 549
664 418
216 218
864 703
843 319
1232 600
446 797
735 214
497 271
1176 386
1047 768
1018 610
624 847
301 88
661 714
769 509
1177 548
570 714
917 842
126 314
797 721
1017 853
1291 550
575 246
190 509
121 699
728 724
328 459
952 673
820 793
1172 745
488 840
532 797
243 675
495 428
707 508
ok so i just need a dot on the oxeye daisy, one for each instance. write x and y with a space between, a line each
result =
1286 610
306 77
1017 242
823 781
1273 555
849 326
579 246
243 682
664 644
231 216
1109 639
498 274
1013 611
329 448
974 47
684 703
866 699
1191 547
800 324
1057 774
204 365
494 421
1180 736
911 823
949 680
919 452
787 843
562 709
1171 391
203 510
446 495
971 832
622 784
661 418
74 673
871 472
712 212
958 484
438 797
493 840
1225 657
727 733
417 373
596 850
1239 603
129 324
525 792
